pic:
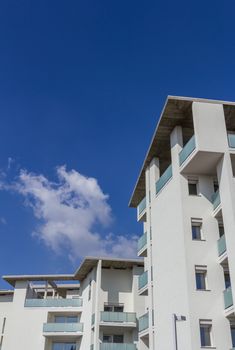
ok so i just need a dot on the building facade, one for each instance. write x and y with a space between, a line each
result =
96 308
185 197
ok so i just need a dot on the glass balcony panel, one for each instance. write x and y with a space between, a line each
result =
142 241
62 327
166 176
187 150
144 322
231 140
143 280
221 245
107 316
117 346
53 302
142 206
215 199
228 298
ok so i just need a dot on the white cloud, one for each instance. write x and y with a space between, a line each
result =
69 214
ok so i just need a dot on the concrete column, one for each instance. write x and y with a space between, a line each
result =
176 139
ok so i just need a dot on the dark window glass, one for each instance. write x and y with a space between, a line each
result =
107 339
192 189
205 333
118 338
216 186
118 308
221 230
227 280
233 335
196 231
201 280
108 308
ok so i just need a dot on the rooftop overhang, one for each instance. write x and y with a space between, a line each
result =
176 111
80 274
90 262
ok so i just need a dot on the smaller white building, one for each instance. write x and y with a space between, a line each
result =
97 307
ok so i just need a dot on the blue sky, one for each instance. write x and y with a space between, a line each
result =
82 84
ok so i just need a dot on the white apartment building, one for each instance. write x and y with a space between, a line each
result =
96 308
185 197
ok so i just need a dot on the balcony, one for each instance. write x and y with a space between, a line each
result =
163 180
143 283
51 329
221 245
228 298
215 200
231 140
142 245
117 346
187 150
141 210
118 318
53 302
144 322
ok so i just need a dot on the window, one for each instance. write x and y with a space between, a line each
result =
221 230
196 226
205 333
66 319
201 277
118 338
232 328
227 279
216 186
193 187
89 292
113 308
64 346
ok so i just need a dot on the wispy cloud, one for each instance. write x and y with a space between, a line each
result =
70 212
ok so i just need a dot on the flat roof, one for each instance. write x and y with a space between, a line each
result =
85 267
177 110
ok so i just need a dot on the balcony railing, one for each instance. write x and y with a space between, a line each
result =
221 245
117 346
141 207
143 280
144 322
109 316
142 241
187 150
231 140
215 199
228 298
92 319
62 327
53 302
166 176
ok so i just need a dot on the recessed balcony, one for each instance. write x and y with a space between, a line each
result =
53 302
141 210
59 329
142 245
143 283
124 319
117 346
194 160
164 179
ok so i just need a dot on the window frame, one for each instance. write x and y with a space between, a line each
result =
201 269
193 182
202 325
197 223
